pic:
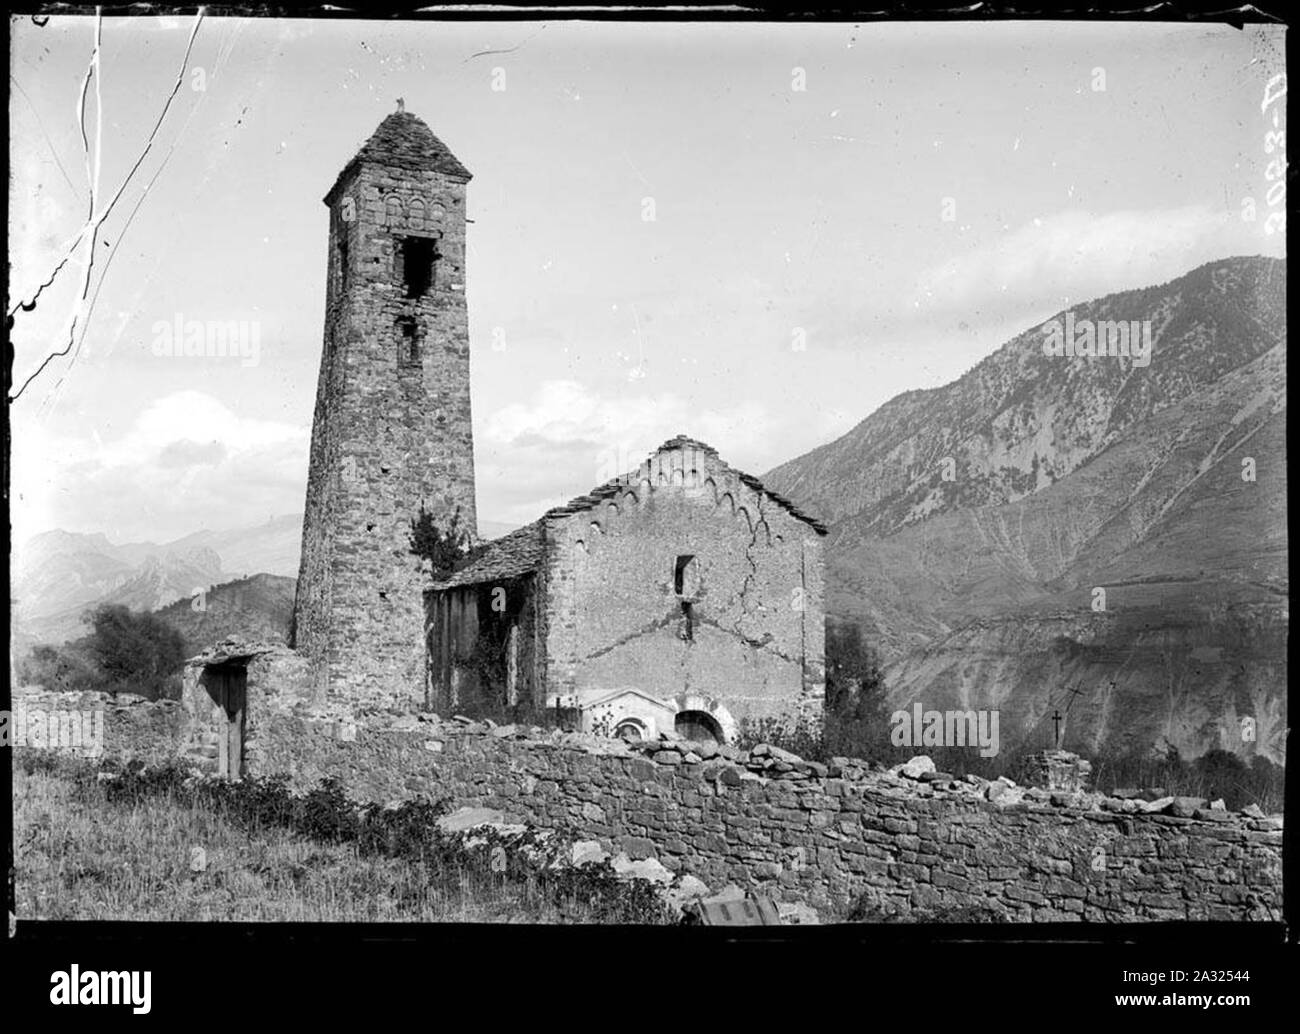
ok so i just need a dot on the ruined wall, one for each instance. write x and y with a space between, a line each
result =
390 432
98 725
277 680
824 835
614 617
476 665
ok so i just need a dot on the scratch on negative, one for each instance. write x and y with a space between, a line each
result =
94 223
507 50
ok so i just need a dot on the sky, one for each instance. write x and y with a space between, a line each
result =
751 234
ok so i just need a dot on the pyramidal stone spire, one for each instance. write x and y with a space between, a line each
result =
403 141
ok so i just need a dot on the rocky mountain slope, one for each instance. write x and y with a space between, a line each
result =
273 547
972 525
59 575
73 582
260 607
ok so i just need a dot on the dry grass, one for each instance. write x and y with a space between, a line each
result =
79 856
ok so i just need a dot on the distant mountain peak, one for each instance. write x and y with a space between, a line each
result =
971 525
1020 420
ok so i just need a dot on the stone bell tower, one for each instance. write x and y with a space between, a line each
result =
391 430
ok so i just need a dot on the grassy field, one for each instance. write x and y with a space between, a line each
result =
89 849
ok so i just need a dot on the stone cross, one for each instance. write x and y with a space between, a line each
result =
1056 720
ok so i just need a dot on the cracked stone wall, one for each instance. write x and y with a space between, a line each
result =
614 617
390 432
824 835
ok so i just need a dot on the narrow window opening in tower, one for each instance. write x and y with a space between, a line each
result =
417 257
343 263
408 342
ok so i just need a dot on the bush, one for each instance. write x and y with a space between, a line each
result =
135 652
448 550
125 652
855 687
408 832
1216 774
856 720
60 669
866 909
802 737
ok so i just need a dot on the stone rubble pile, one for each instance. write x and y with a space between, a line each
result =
917 776
480 826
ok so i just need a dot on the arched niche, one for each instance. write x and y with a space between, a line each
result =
393 212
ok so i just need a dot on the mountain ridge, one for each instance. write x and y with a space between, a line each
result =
1069 475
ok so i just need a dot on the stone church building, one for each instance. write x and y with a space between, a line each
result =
682 595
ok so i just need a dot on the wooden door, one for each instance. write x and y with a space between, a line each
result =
232 686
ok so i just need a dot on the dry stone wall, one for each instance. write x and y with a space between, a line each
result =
97 725
826 835
912 841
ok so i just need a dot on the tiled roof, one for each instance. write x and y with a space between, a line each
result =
403 141
781 501
512 555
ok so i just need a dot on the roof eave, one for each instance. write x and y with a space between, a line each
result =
460 174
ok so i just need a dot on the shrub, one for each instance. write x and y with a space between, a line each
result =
856 720
866 909
136 652
61 669
1216 774
408 832
125 652
449 549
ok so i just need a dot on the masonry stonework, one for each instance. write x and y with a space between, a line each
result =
752 641
769 822
392 426
682 593
824 835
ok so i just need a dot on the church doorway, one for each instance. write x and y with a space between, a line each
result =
698 727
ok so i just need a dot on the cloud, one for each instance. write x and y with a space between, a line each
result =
568 438
194 416
186 463
1075 255
187 453
567 413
